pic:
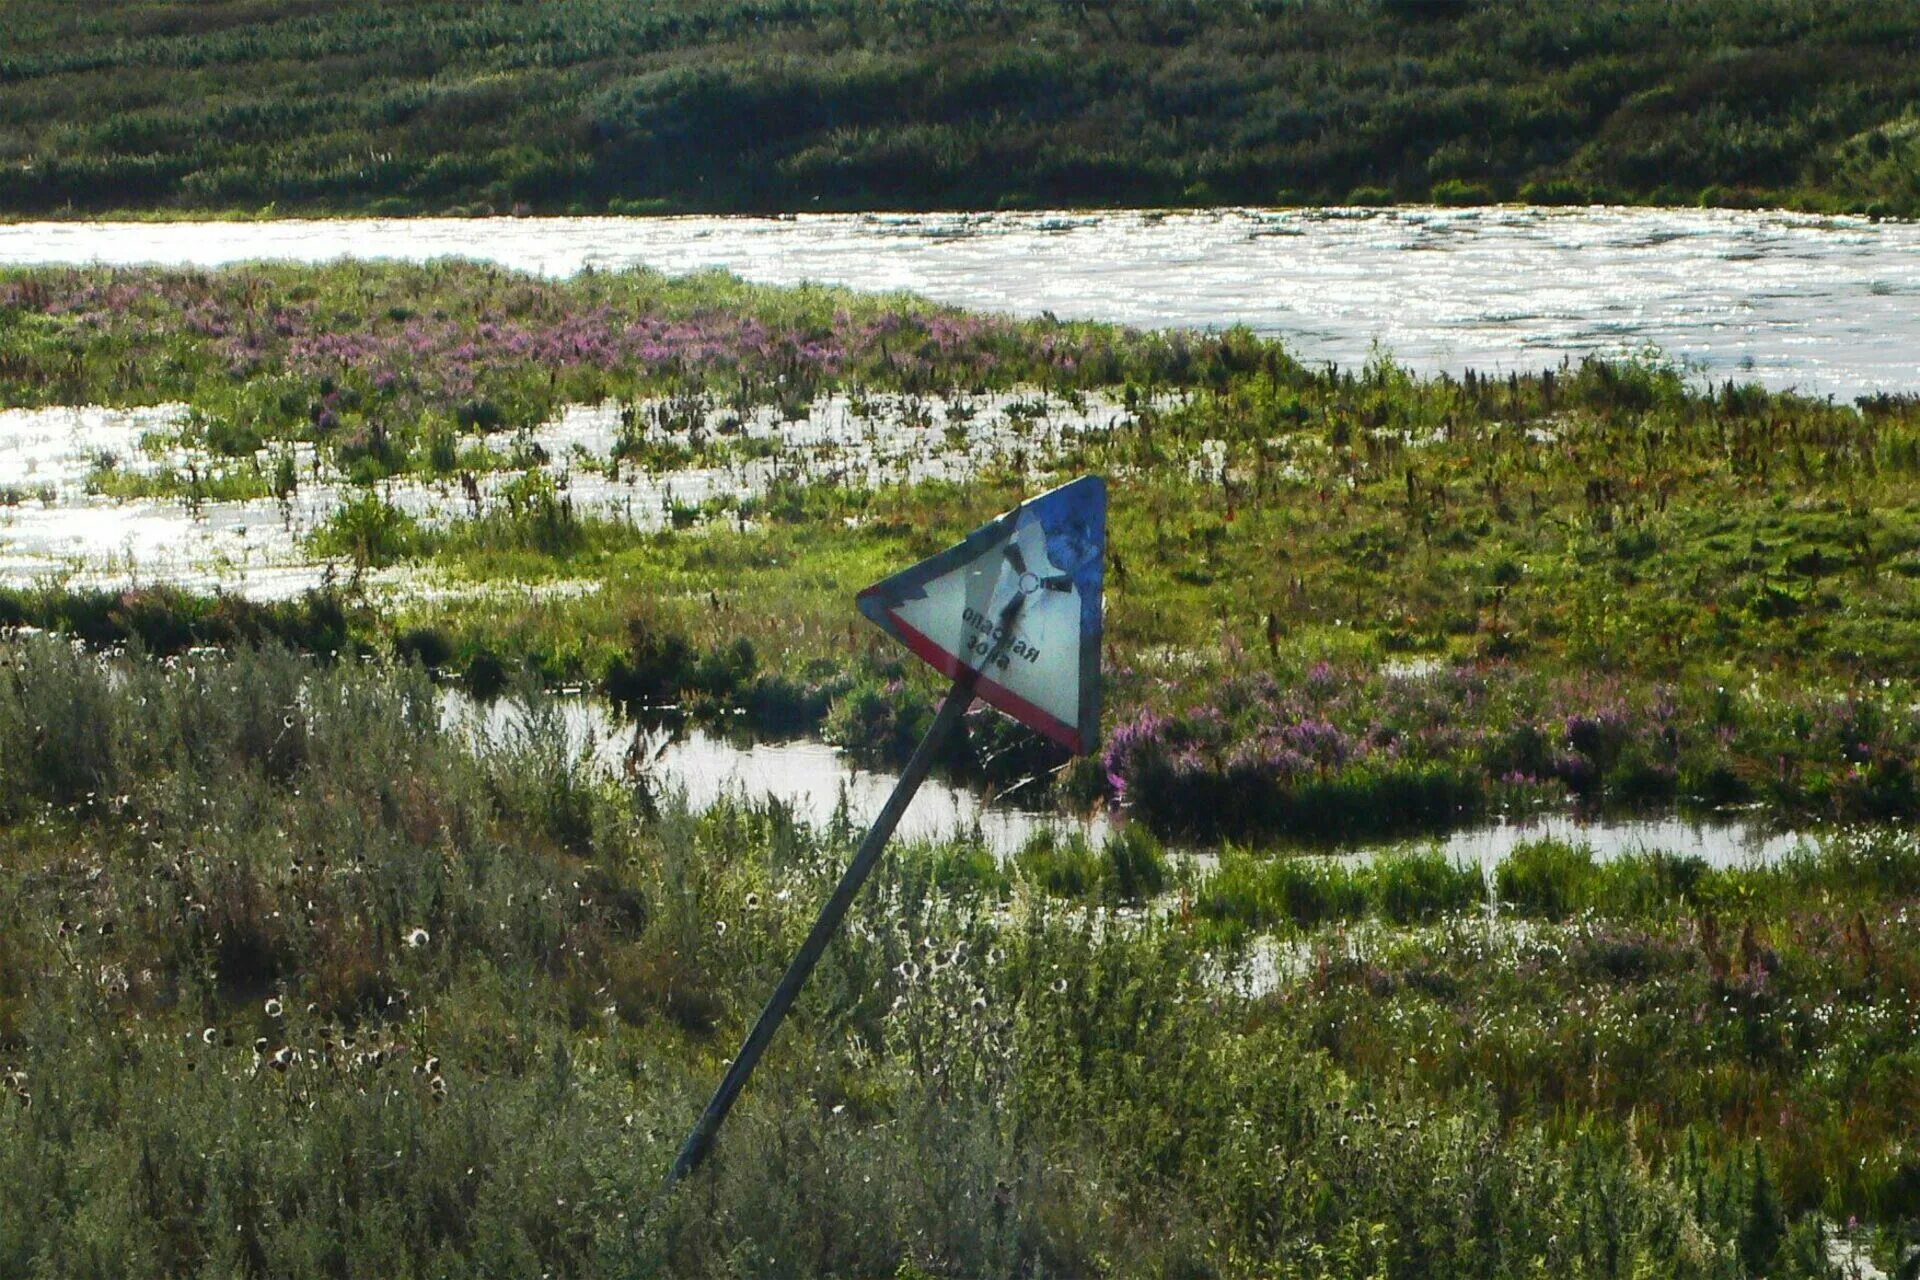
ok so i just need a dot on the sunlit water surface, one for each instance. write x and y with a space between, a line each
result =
814 780
1830 306
56 527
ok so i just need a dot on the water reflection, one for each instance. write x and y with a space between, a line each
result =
1720 844
54 526
812 778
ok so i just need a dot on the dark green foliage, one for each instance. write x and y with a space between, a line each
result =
1136 865
428 646
409 106
1129 868
780 705
1545 878
1765 1226
165 621
881 718
1351 804
485 675
656 670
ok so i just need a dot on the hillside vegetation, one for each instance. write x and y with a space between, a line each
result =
400 106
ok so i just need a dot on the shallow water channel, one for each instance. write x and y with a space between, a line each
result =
812 778
1830 306
55 525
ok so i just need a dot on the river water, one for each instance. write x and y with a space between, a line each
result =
1830 306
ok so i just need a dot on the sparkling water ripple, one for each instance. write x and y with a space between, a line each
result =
1827 306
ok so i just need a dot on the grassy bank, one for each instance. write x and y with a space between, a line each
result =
405 106
273 931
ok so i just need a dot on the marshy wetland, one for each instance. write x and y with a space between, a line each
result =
305 975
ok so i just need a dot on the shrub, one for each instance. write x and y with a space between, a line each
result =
1546 878
656 669
369 531
429 646
1411 887
1457 191
880 719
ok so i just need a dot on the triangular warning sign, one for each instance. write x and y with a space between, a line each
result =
1024 592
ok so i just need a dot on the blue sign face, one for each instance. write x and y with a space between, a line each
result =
1018 602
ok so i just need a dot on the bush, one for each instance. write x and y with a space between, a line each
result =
780 704
369 531
428 646
1555 191
1457 191
656 669
1546 878
1405 888
880 720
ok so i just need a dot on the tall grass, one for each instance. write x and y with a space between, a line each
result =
297 982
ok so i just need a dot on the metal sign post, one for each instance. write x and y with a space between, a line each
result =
955 705
994 614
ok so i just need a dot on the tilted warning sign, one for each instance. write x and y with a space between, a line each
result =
1019 602
1011 615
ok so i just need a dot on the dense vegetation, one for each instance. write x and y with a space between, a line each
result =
410 106
295 982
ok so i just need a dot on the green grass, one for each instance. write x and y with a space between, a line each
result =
235 108
1129 868
297 983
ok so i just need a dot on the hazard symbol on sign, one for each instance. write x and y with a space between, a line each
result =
1018 603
